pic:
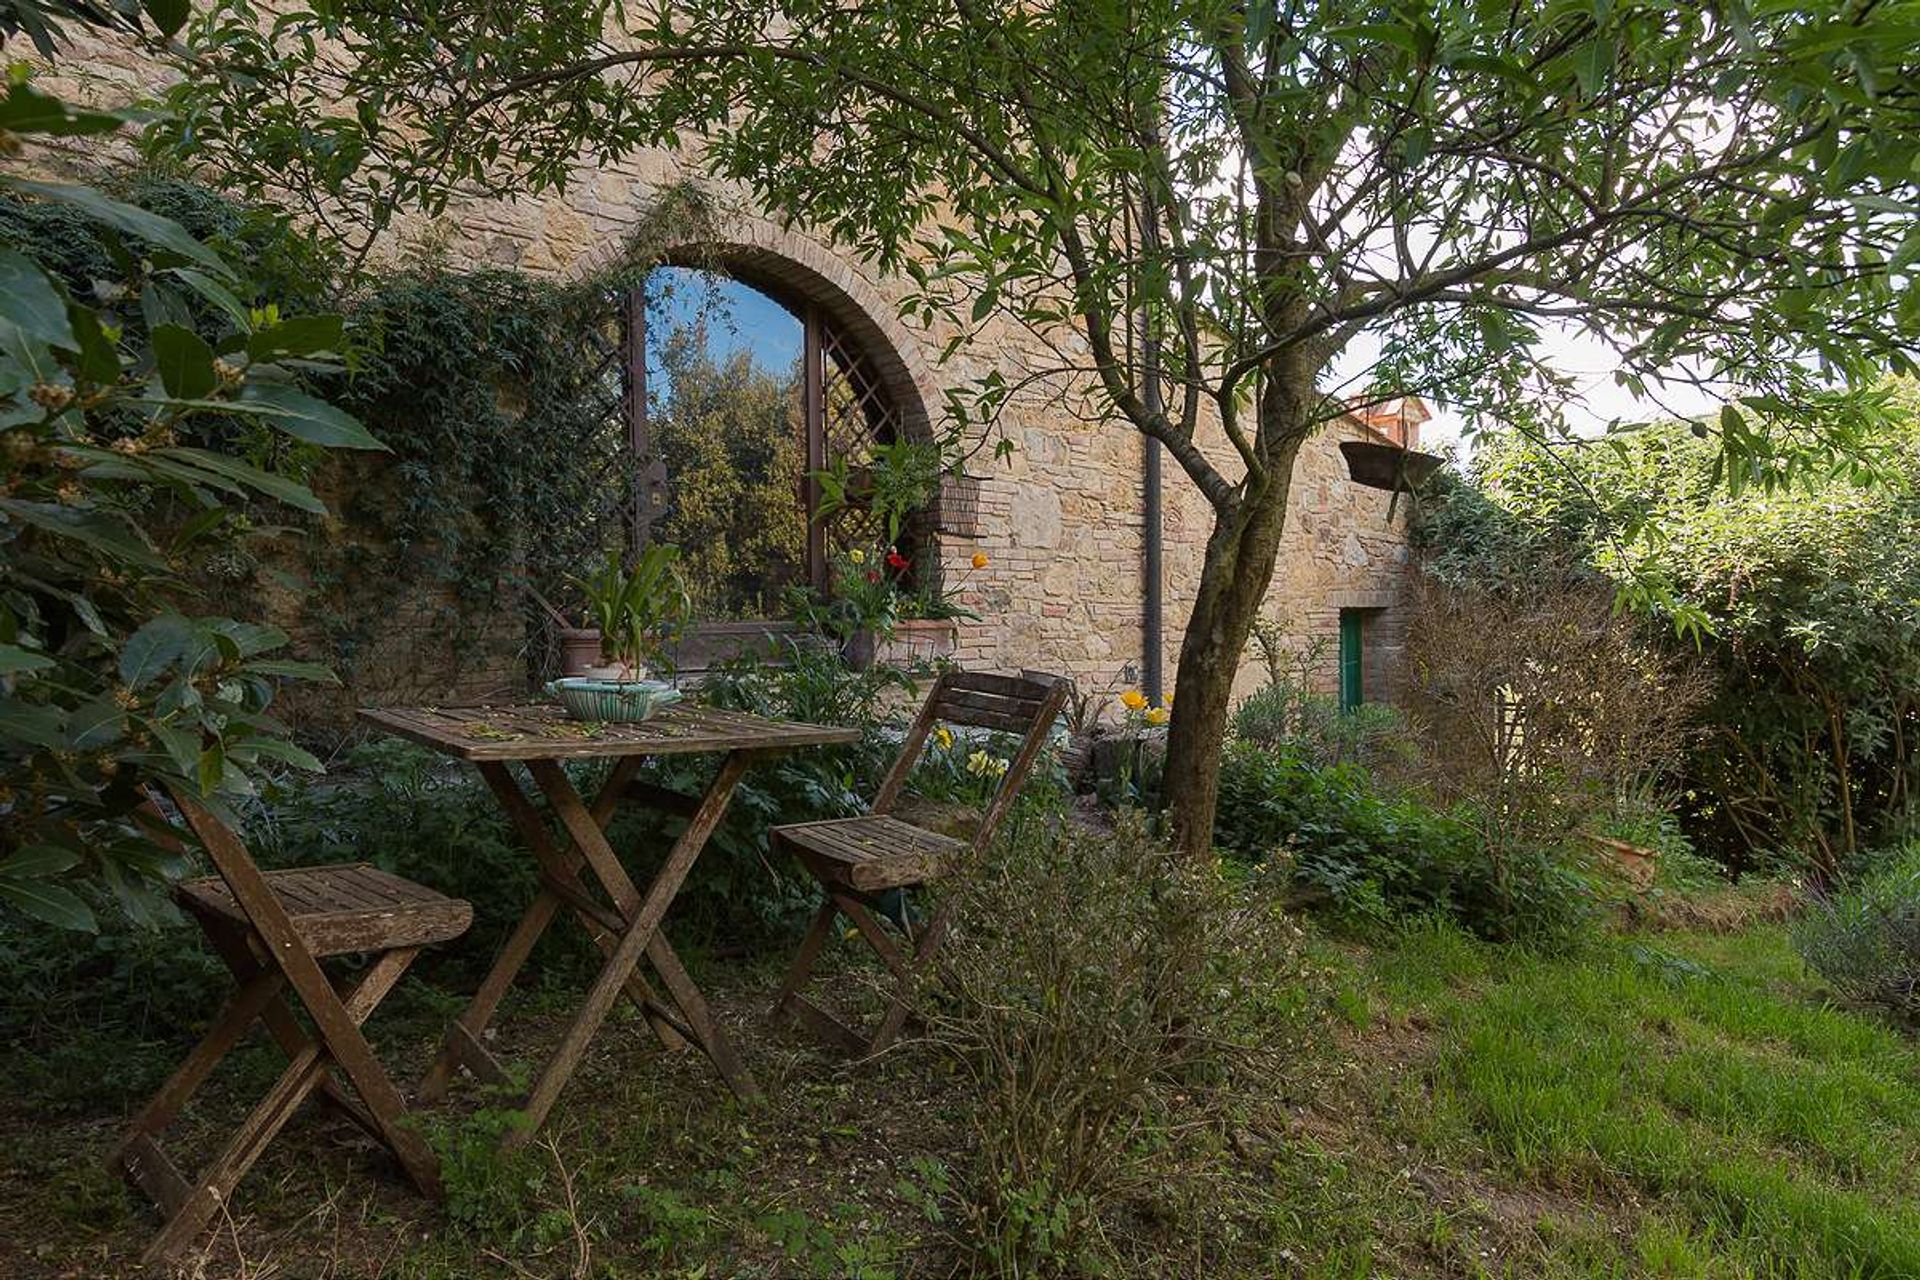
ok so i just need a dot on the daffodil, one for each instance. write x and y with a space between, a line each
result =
979 559
1158 715
857 556
943 736
1133 700
982 765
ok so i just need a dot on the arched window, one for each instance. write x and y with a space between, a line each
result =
736 398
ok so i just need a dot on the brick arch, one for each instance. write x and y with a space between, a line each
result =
797 272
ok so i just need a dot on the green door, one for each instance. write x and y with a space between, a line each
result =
1352 649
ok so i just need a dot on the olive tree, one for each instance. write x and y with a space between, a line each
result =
1204 208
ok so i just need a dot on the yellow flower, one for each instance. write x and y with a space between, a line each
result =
982 765
1166 700
857 556
943 736
979 559
1133 700
1158 715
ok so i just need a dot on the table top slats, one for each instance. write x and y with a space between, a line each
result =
544 731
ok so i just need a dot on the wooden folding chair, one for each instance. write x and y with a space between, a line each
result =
272 929
858 859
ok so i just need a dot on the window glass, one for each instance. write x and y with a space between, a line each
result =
725 417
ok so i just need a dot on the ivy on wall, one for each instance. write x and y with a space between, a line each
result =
499 394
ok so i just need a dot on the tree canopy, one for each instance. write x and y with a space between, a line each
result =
1231 221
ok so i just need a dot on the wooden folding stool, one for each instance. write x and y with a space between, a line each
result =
272 928
858 859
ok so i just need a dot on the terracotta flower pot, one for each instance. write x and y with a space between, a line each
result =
579 650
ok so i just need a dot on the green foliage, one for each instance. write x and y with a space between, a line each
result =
1288 712
145 413
1371 856
639 608
729 436
1806 599
1864 938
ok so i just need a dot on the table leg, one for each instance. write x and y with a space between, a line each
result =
462 1045
644 915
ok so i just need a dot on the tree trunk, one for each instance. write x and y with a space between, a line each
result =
1234 579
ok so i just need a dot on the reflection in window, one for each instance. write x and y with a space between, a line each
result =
725 417
744 400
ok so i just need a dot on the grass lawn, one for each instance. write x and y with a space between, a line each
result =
1675 1104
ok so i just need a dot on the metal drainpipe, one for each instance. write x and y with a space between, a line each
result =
1150 559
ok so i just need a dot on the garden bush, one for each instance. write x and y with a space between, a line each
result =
1799 599
1864 938
1110 1005
1369 855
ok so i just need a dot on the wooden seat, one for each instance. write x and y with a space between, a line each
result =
340 909
871 853
857 858
271 928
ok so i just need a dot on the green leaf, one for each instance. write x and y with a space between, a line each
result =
293 669
97 723
26 110
248 638
305 418
99 360
163 642
30 303
31 723
98 529
211 769
50 903
185 362
1592 63
286 752
215 292
14 660
151 227
300 336
291 492
182 746
34 861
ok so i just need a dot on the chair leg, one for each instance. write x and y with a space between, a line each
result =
789 1003
802 967
190 1207
302 1076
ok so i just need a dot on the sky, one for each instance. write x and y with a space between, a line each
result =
1597 400
742 318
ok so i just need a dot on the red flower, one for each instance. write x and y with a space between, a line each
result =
895 560
873 575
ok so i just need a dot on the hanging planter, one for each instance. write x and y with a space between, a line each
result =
1388 466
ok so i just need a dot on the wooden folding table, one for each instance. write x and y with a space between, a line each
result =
624 922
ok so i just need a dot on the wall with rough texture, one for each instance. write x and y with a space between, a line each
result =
1060 521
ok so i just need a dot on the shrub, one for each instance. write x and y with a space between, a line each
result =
1100 995
1289 711
1369 855
1865 939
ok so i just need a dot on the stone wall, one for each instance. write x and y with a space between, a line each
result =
1060 521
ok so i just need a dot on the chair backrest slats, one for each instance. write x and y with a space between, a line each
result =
1009 704
980 701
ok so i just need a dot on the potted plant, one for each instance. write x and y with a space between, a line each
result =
636 611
